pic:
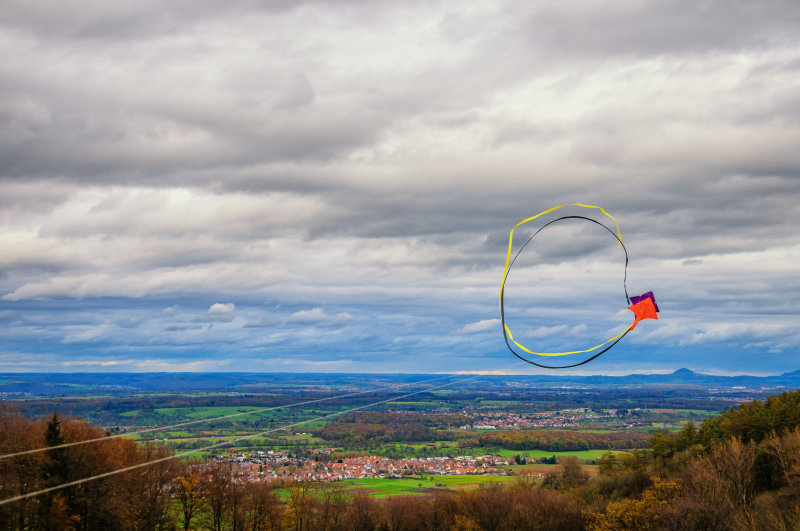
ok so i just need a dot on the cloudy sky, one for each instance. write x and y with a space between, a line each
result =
329 186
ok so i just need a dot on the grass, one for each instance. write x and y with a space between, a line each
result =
414 403
383 488
444 448
585 455
192 413
439 444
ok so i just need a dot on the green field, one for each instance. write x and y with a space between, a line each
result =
192 413
450 448
584 455
415 403
382 488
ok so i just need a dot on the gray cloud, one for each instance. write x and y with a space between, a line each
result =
375 156
661 27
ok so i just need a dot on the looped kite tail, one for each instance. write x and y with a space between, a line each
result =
643 306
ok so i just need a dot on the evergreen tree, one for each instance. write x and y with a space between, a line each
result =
56 470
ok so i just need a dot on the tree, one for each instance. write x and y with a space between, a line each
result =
361 513
149 491
217 486
300 505
330 507
56 471
21 474
607 463
570 476
190 493
688 437
263 510
644 514
237 503
56 510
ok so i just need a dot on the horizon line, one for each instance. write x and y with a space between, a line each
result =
501 372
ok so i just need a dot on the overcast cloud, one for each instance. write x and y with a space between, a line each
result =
329 186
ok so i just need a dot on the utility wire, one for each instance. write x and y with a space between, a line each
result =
200 421
224 443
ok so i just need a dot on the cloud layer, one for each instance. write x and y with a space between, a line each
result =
300 185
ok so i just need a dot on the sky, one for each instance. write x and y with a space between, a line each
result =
314 186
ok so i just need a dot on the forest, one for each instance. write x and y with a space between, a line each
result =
559 440
739 470
375 428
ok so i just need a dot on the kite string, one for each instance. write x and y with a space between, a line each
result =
507 331
511 234
210 419
618 336
587 360
224 443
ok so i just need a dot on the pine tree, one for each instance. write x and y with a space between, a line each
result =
56 471
56 512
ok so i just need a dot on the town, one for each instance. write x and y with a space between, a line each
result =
265 465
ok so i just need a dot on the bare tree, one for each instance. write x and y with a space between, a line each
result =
361 513
217 483
301 504
263 508
150 492
329 509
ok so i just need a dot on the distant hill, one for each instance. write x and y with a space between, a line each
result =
683 377
80 384
24 385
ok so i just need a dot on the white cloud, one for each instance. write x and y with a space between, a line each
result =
318 316
90 363
545 331
578 329
219 308
480 326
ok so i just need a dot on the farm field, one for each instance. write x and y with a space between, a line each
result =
199 412
384 487
584 455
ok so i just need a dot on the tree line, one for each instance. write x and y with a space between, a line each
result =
375 428
557 440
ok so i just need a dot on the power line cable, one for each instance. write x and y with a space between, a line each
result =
224 443
200 421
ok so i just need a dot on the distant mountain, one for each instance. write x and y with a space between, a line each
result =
684 377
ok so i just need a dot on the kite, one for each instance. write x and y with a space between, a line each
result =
643 306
